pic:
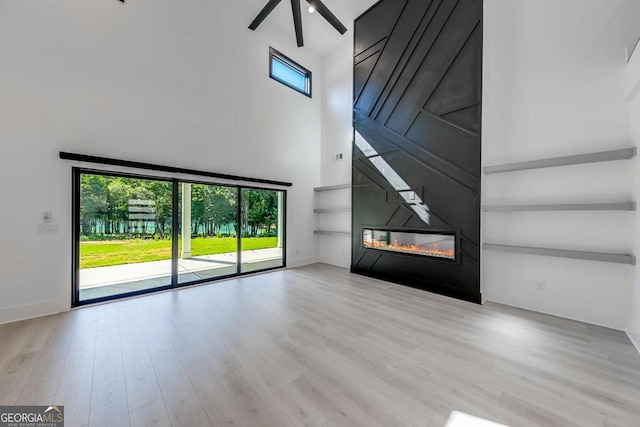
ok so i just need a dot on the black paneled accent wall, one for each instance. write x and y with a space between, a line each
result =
416 153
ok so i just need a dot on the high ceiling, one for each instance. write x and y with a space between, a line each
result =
319 35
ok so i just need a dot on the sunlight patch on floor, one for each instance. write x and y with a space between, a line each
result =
460 419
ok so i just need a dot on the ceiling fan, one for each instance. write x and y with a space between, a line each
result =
297 16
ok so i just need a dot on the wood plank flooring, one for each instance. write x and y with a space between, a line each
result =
317 346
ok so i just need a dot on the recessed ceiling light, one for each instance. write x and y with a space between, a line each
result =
312 9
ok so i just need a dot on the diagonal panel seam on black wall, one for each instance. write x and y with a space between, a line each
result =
467 118
451 64
462 83
367 51
392 52
461 107
386 38
450 122
374 24
422 50
455 173
435 89
447 140
429 14
362 72
397 120
450 41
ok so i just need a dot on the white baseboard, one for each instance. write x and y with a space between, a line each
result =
45 308
634 334
29 311
334 262
299 262
560 309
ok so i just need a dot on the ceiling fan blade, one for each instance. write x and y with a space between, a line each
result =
264 13
297 21
326 14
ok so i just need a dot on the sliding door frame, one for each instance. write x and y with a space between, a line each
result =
284 228
175 200
77 172
239 232
75 236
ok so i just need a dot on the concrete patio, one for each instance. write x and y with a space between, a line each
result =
113 280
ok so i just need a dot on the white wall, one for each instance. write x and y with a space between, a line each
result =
554 84
633 98
337 136
162 81
337 113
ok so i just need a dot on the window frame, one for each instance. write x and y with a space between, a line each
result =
276 55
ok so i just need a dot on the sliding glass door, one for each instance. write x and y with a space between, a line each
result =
262 229
135 234
124 235
208 242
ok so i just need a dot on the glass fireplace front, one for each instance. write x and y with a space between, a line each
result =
425 243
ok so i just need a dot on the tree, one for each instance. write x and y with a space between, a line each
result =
118 193
162 194
105 208
259 211
93 202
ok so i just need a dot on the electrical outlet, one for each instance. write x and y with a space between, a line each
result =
48 229
339 156
541 284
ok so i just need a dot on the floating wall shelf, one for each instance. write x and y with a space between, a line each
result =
336 233
563 253
620 206
333 210
603 156
333 187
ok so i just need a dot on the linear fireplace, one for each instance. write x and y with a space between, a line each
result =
427 243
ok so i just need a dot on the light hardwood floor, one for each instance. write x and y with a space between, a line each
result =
316 346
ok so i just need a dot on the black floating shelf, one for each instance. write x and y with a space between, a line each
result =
563 253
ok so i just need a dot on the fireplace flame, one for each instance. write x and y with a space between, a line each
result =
411 249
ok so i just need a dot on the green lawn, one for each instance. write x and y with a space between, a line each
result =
106 253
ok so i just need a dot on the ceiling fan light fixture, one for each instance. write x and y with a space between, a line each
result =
314 5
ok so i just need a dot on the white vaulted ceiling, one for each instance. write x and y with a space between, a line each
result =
319 35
